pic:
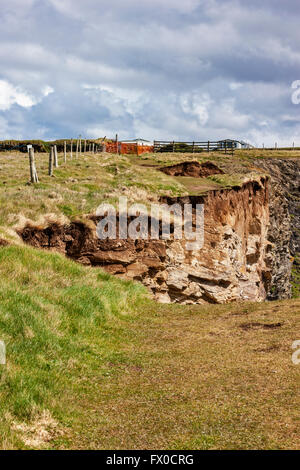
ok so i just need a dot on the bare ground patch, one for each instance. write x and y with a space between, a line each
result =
192 169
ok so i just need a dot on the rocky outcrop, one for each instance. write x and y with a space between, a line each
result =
284 230
234 263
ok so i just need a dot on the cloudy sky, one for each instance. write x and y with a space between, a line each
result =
156 69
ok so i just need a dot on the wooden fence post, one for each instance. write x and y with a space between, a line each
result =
65 151
225 146
208 146
117 144
93 148
31 165
173 146
84 145
71 153
33 172
80 145
55 157
51 157
103 147
77 148
193 147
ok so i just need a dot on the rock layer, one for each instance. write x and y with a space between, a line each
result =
284 230
234 263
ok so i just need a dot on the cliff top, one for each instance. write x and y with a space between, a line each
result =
80 185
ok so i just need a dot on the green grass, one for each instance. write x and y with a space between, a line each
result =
77 188
296 277
93 363
55 316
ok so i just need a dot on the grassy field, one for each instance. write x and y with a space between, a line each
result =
80 185
93 363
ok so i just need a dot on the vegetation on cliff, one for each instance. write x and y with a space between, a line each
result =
92 362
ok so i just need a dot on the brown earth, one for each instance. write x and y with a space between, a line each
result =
194 169
3 242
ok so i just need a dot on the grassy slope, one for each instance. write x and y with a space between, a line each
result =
60 323
79 186
93 363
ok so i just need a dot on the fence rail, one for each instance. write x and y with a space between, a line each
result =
279 148
193 147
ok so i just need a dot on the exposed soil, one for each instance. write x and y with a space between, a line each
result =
194 169
275 347
79 242
257 325
3 242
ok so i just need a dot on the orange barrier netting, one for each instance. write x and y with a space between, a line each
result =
113 147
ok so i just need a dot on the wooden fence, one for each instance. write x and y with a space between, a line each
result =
279 148
193 147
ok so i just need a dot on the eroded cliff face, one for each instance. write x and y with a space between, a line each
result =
235 262
284 229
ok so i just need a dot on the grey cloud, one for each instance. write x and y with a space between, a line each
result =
195 69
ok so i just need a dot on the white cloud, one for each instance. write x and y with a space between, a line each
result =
47 90
10 95
197 105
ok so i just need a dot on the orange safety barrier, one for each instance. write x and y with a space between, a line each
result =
127 149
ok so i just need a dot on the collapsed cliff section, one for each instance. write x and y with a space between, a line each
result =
284 230
233 264
193 169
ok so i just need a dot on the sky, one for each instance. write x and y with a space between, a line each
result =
155 69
